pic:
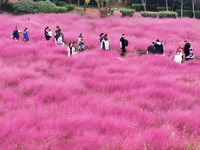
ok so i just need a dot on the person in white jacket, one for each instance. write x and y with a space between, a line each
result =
71 50
178 57
105 42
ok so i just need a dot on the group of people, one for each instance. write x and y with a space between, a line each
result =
157 48
15 34
154 48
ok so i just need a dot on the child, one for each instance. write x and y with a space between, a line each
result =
190 56
178 57
71 50
60 40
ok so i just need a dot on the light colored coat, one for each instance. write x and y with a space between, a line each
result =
106 44
178 58
73 51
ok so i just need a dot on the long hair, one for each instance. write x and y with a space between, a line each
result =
25 29
105 37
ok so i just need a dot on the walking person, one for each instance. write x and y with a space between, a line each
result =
26 38
123 44
71 50
150 49
187 49
159 47
81 43
47 33
105 43
16 34
58 33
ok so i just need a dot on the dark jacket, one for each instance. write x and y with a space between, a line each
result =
57 34
187 49
150 49
16 34
159 48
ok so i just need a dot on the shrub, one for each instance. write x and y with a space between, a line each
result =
8 7
167 14
137 7
163 8
149 14
70 7
46 7
127 13
79 11
197 14
25 7
186 13
62 9
60 3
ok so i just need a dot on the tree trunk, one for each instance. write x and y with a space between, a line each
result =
193 3
85 6
144 4
167 5
181 8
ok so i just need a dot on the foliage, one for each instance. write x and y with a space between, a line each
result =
70 7
186 13
60 3
62 9
25 7
162 8
167 14
149 14
81 11
8 7
46 7
138 7
127 13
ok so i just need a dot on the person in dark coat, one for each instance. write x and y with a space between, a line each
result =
47 33
58 33
123 44
187 48
159 47
150 49
16 34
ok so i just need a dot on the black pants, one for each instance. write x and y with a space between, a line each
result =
123 51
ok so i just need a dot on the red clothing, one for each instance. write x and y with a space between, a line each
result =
179 49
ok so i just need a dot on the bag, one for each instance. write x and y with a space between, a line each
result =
126 42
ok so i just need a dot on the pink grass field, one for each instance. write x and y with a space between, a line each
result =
94 100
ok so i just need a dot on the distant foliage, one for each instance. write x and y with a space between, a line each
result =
25 7
8 7
137 7
167 14
81 11
163 8
62 9
149 14
60 3
188 13
70 7
127 13
46 7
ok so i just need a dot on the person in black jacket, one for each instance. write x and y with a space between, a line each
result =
187 48
58 33
159 47
16 34
150 49
123 44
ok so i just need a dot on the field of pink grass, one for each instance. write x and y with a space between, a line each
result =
94 100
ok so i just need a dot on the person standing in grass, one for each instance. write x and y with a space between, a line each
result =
159 47
101 38
191 55
48 33
26 38
105 43
16 34
71 50
150 49
187 49
57 34
180 49
81 43
178 57
123 44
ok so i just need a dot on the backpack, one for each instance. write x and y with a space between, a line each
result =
126 42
